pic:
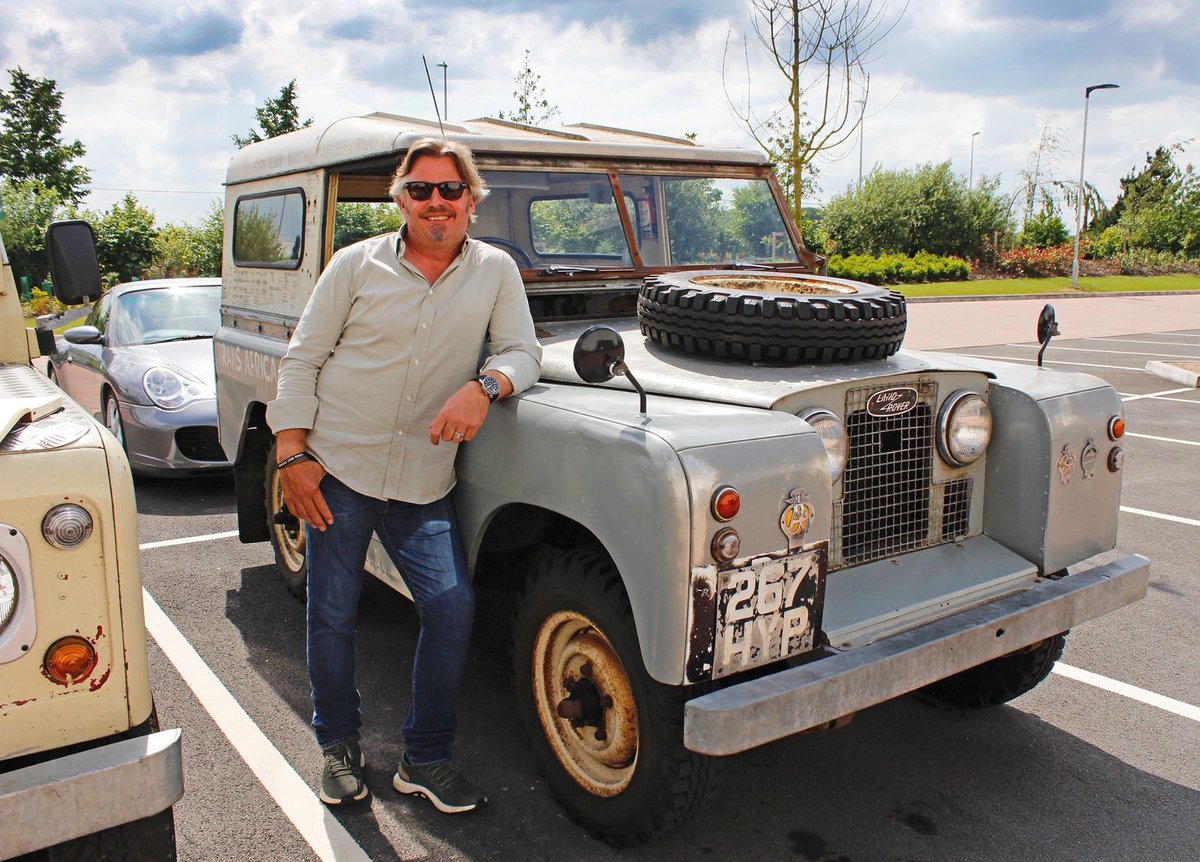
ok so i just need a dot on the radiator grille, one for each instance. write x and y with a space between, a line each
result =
890 503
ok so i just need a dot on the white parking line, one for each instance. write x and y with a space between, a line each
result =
1163 439
189 540
1171 356
1169 704
1136 341
327 837
1048 361
1157 394
1175 518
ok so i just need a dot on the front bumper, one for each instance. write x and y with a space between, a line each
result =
800 698
152 439
79 794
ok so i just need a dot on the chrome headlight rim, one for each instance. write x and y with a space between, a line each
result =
817 417
946 417
67 526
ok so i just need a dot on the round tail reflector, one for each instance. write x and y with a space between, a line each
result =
1116 428
70 660
726 544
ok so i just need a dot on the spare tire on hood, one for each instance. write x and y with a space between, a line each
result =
770 317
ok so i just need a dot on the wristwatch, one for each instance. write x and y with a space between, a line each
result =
491 386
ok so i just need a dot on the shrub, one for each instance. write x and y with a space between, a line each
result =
899 268
1034 262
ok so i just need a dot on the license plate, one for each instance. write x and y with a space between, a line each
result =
769 608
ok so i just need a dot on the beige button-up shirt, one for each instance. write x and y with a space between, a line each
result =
378 350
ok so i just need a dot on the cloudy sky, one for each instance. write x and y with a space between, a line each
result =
154 89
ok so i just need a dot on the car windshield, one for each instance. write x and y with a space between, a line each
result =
167 314
551 219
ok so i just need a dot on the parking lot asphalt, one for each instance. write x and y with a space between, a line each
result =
1075 770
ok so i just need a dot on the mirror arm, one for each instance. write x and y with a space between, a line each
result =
619 367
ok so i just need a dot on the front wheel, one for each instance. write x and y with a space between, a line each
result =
112 418
608 738
286 532
998 681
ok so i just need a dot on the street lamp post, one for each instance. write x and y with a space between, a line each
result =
971 173
1079 204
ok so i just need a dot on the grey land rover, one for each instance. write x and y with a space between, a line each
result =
733 508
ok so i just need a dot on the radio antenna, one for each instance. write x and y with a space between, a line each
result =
433 96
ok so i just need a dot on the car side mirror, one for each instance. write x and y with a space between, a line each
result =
600 356
83 335
1047 328
71 250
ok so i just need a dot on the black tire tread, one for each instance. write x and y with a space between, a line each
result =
682 779
296 583
998 681
775 328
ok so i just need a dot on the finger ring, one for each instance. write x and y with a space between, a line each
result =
458 435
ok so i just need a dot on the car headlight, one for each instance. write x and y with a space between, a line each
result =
8 593
964 428
170 388
833 435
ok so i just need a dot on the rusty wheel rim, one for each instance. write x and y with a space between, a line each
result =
288 539
776 284
570 651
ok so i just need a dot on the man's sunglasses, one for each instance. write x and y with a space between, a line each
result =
451 190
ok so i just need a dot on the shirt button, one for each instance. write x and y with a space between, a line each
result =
416 362
399 433
409 398
424 325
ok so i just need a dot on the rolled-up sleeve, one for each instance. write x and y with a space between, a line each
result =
316 335
512 346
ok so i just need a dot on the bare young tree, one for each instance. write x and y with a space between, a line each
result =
821 48
533 108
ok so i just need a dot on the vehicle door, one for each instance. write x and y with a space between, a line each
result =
82 375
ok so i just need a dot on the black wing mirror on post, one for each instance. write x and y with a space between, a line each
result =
71 250
600 356
1047 328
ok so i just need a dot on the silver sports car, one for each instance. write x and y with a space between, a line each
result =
143 363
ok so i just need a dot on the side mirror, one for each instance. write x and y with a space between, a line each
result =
71 250
83 335
1047 328
597 353
600 356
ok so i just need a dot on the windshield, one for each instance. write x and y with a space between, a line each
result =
549 219
167 314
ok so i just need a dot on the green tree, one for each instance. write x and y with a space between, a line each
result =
820 48
533 108
190 250
354 222
31 146
695 220
125 235
1044 230
924 209
29 207
754 217
276 117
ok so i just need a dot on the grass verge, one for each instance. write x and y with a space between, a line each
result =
1054 284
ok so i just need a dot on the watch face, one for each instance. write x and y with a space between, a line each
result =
490 386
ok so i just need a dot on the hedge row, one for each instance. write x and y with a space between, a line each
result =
899 268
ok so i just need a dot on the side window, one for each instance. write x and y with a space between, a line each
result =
584 225
98 317
268 230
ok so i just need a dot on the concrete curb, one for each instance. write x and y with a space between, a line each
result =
990 297
1174 373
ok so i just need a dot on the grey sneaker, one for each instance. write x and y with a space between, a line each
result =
443 784
342 778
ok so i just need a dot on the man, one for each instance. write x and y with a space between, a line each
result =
380 386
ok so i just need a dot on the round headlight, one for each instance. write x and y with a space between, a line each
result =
833 435
171 389
964 428
67 526
8 593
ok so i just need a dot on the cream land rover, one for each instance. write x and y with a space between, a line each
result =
733 508
85 772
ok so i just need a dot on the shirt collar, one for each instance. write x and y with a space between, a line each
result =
400 235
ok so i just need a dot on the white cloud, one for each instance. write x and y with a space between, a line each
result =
160 118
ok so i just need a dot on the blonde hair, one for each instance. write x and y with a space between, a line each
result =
460 153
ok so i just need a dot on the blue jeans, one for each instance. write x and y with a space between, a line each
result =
422 541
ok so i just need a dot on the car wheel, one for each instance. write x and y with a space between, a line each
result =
999 680
112 419
286 532
52 374
776 318
608 737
